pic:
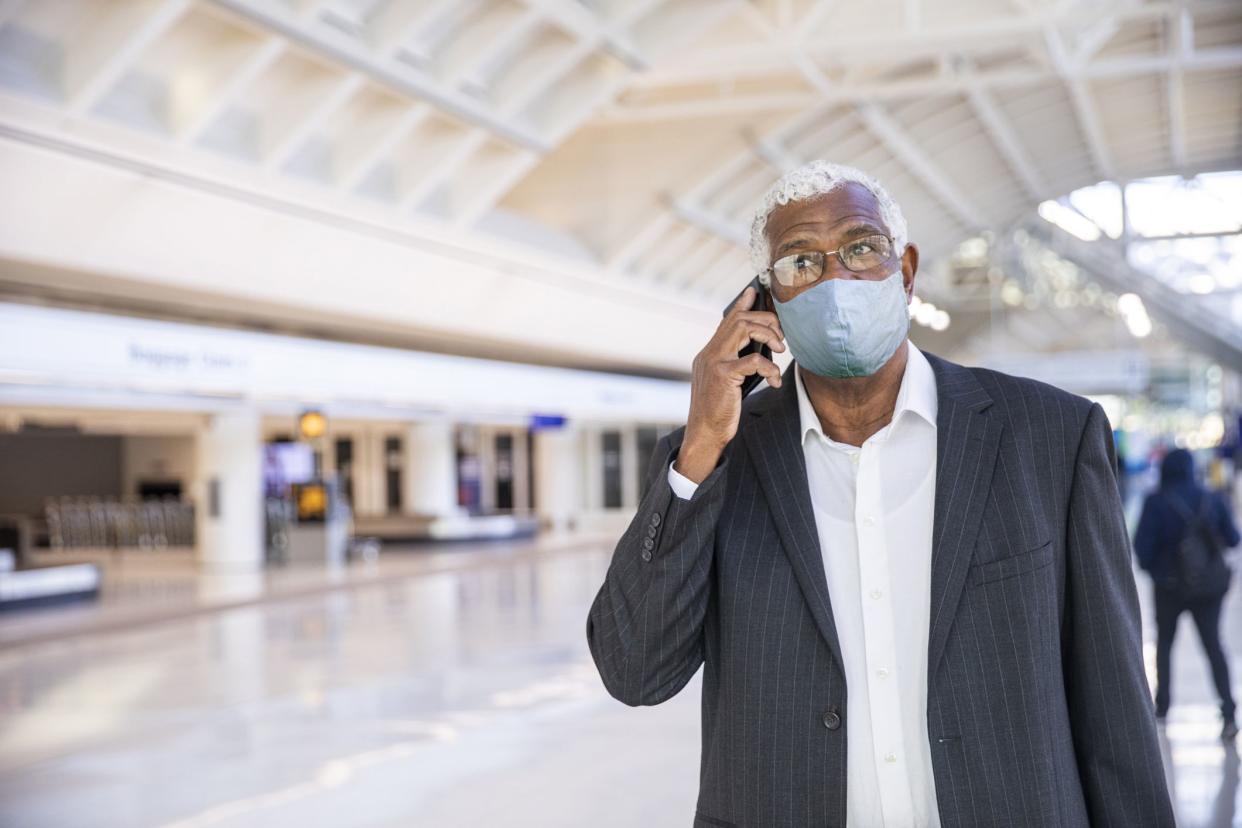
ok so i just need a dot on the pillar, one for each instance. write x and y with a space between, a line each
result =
558 477
228 492
429 480
369 472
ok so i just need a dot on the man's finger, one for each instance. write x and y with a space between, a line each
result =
744 301
765 318
754 364
748 331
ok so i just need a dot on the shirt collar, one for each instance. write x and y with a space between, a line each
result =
916 395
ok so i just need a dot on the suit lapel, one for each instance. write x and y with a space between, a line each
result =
774 441
967 441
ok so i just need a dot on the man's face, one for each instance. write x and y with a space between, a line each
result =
825 223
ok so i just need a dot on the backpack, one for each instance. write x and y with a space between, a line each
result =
1199 571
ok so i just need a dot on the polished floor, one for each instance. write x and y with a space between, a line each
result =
447 690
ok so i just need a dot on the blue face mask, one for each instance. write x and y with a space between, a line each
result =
846 327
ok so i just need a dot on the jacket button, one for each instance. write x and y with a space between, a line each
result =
655 518
646 554
652 532
648 544
832 720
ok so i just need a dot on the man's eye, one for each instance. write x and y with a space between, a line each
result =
860 249
802 262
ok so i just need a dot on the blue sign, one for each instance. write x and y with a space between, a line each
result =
538 422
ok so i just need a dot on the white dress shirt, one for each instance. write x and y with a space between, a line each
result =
873 513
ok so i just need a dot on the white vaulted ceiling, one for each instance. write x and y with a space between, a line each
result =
625 141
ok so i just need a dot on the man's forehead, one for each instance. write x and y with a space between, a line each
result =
849 200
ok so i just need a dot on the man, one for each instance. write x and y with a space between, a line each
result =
1180 506
908 581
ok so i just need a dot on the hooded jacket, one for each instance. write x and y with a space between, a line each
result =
1161 526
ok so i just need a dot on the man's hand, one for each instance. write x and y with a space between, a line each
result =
715 386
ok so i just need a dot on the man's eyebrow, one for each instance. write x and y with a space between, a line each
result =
793 244
861 229
852 231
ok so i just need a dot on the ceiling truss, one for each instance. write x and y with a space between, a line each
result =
441 109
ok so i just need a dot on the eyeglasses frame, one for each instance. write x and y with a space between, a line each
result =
892 245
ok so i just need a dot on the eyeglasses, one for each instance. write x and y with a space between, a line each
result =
798 269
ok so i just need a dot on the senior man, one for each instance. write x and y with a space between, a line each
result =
908 581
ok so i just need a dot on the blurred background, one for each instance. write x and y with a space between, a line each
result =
335 336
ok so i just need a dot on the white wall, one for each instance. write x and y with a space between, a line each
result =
156 458
297 255
51 356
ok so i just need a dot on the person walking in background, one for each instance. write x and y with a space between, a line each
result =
1180 540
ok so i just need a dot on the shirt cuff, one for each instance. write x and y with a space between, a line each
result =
682 486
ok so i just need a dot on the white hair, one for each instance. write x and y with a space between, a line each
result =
812 180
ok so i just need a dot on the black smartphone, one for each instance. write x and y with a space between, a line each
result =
763 302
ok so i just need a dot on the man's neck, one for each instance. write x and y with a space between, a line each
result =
851 409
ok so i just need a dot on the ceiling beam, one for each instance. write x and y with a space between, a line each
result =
296 134
355 169
592 33
813 17
632 248
487 194
466 72
1182 47
96 65
587 43
701 261
772 152
894 137
396 22
666 260
238 82
708 222
1007 143
937 85
350 54
1198 326
445 167
731 268
763 59
589 28
707 186
1068 69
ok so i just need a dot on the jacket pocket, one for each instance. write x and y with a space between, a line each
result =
1008 567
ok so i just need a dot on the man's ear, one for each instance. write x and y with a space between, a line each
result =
909 267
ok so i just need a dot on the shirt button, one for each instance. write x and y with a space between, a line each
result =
882 672
869 520
875 593
890 758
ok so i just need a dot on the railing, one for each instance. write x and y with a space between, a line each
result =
103 523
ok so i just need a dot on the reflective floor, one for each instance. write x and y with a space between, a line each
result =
460 694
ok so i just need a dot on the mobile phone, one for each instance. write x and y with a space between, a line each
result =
763 302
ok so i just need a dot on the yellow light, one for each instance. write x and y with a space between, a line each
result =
312 424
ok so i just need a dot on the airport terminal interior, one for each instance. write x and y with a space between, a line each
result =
336 337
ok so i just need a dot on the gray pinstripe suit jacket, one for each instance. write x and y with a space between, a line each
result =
1038 708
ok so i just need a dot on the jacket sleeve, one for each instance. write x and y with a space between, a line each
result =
645 627
1227 530
1111 712
1147 534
